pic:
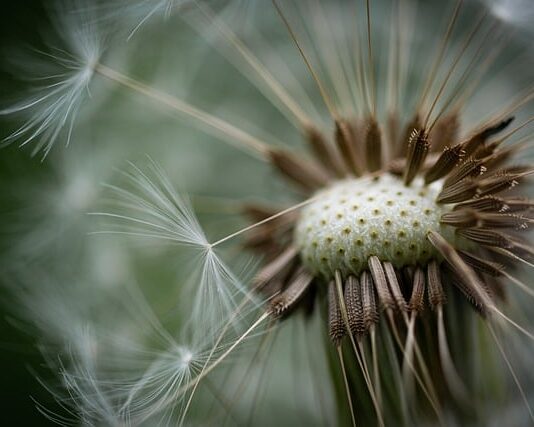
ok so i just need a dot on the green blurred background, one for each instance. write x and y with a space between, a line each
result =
20 359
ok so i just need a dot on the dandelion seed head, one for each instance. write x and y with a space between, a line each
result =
357 218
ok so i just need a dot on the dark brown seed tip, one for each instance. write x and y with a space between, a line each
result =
324 151
346 143
336 325
373 146
418 291
436 295
450 157
299 171
353 303
417 150
287 300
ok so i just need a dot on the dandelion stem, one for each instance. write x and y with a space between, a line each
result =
454 65
517 129
322 90
261 71
346 382
520 284
263 221
523 98
511 369
207 369
452 378
439 57
425 382
363 367
514 324
370 58
408 358
481 67
213 125
212 351
376 372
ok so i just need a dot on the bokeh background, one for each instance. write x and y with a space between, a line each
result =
19 21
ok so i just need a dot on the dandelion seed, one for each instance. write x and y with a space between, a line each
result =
153 209
62 75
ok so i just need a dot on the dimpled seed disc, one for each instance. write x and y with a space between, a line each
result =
356 218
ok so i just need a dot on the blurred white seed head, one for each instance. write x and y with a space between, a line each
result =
514 12
149 207
60 76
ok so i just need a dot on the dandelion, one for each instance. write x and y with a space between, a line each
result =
401 246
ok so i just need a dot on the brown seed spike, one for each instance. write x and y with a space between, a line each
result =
258 212
481 265
484 236
418 291
353 302
436 295
277 265
521 249
519 204
370 311
324 152
445 132
445 163
379 277
467 168
498 220
417 151
470 281
492 130
459 192
412 125
336 325
473 143
499 158
394 287
373 146
487 152
473 297
347 146
392 131
497 183
484 204
499 242
286 301
303 173
460 218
